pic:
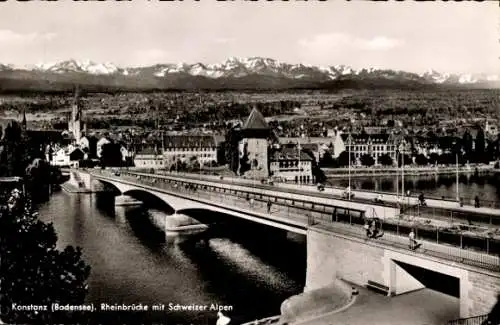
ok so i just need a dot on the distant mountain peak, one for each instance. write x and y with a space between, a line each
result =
255 67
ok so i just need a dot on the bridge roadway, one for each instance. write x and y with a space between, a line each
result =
347 226
443 210
292 196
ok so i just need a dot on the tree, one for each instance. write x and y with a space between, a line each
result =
17 152
446 159
433 158
343 159
38 179
221 152
404 157
327 160
111 155
467 142
33 270
367 160
421 160
318 174
479 151
385 160
490 153
497 146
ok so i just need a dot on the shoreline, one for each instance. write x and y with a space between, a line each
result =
411 171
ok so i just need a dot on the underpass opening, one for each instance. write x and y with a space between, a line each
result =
410 277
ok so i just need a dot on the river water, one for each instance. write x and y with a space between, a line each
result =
487 187
132 263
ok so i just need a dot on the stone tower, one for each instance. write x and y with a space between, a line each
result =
255 134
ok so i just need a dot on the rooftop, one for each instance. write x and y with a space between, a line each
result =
290 154
256 121
189 141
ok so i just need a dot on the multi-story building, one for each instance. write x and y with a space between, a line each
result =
289 165
67 156
374 145
187 147
149 158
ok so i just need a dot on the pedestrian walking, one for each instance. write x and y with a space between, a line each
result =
368 230
269 204
413 243
476 201
373 228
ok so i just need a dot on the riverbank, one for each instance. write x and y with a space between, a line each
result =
408 171
70 188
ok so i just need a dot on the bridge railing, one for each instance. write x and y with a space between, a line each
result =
468 201
438 242
476 320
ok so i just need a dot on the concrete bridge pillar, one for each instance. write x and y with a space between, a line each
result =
180 227
126 200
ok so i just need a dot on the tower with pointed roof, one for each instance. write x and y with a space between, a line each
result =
254 144
75 125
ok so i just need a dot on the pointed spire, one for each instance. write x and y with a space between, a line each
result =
76 103
77 93
23 122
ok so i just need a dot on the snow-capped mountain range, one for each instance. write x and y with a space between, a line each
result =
237 68
78 66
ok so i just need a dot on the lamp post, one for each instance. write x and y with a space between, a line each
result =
349 154
403 169
397 176
300 167
200 168
456 181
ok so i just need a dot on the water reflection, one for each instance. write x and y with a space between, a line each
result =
132 263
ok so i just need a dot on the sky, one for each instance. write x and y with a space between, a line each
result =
455 37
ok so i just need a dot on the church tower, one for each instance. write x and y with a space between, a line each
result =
23 121
75 122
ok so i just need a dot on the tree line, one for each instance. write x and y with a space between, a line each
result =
33 270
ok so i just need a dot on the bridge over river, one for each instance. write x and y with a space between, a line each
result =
337 248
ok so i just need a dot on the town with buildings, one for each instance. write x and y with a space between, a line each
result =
256 147
250 163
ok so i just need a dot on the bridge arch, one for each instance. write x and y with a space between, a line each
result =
150 200
182 201
106 186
